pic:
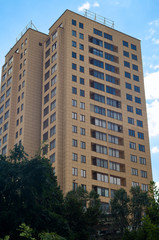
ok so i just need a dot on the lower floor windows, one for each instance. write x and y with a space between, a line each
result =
134 171
115 180
74 171
83 173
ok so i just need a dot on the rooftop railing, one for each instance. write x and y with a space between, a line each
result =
30 25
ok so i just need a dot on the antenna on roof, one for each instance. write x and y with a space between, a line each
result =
30 25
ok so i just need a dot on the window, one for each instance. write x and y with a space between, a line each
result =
96 51
137 89
83 159
125 53
81 46
99 135
128 85
111 68
74 115
100 162
74 171
83 173
81 35
125 44
142 160
97 85
73 54
52 117
97 109
97 74
7 103
73 33
102 191
110 47
1 109
96 62
81 57
54 46
99 149
115 180
111 57
52 158
5 127
20 131
74 44
82 105
140 135
133 158
74 90
54 68
74 78
52 144
74 156
74 103
114 115
73 22
133 47
46 111
46 87
129 97
134 57
114 166
81 25
81 69
139 111
47 75
98 122
53 105
136 78
139 123
131 120
1 120
131 132
6 115
114 152
3 87
47 64
129 108
82 118
113 139
45 123
74 186
134 67
138 100
2 98
143 174
46 98
47 53
115 127
74 129
4 150
21 119
96 41
132 145
52 131
135 184
5 138
126 64
141 148
54 57
113 91
108 36
113 103
102 177
112 79
82 131
53 92
74 66
98 32
9 81
127 75
144 187
134 171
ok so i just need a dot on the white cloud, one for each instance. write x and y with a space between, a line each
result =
152 86
154 23
156 41
86 5
157 184
155 150
96 4
156 67
153 119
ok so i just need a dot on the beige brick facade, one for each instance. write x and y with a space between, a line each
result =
90 105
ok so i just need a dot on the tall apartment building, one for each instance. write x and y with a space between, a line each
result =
86 81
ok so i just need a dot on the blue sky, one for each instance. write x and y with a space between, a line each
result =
138 18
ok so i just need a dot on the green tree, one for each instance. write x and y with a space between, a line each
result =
120 210
29 193
139 201
82 210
